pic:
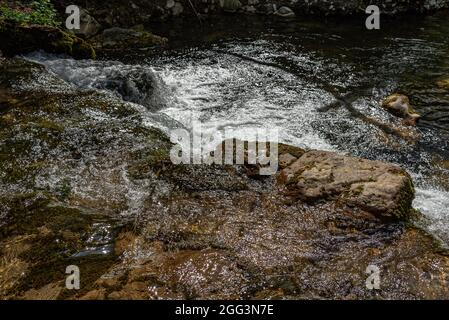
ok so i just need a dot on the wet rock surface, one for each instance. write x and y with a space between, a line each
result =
399 105
85 182
125 39
46 125
374 186
19 39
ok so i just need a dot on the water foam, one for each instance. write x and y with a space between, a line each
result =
433 202
223 91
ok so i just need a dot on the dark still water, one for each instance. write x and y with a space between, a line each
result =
320 84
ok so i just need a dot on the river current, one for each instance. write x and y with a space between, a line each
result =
317 83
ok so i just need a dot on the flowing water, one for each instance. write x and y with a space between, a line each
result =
319 84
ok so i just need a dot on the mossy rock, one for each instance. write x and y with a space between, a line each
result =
19 39
230 5
82 49
27 212
122 39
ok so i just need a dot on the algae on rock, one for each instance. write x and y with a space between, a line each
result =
19 39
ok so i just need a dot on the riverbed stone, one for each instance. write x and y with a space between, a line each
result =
177 9
95 295
443 84
170 4
47 292
285 12
399 105
122 39
89 26
380 188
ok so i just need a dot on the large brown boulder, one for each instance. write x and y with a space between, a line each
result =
380 188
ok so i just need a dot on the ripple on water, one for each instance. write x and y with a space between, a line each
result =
272 84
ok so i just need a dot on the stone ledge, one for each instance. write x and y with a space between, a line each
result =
382 189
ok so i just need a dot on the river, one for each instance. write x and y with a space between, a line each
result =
288 75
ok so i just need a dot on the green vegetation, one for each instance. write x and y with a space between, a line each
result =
39 12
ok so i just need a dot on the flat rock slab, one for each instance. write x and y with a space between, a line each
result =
380 188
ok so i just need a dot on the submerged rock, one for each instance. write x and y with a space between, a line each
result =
399 105
443 84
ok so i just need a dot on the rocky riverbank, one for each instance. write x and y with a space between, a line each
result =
120 24
125 14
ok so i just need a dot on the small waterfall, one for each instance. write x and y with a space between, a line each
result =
134 83
223 91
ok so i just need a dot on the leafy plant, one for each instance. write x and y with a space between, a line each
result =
39 12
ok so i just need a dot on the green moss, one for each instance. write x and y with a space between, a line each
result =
16 208
64 43
15 163
51 262
404 210
124 39
50 250
65 190
13 170
27 212
83 50
16 172
51 125
74 46
40 12
18 39
97 101
154 157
